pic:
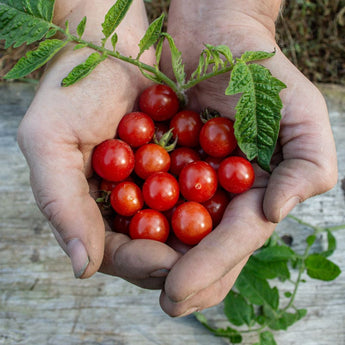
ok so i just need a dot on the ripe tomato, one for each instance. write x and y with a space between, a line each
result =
121 224
159 101
236 174
198 181
160 129
161 191
217 137
216 205
191 222
113 160
151 158
186 126
136 129
126 198
180 157
149 224
213 161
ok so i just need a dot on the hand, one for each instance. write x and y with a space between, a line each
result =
58 134
304 163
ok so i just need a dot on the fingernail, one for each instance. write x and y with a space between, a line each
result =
160 273
288 207
78 256
189 311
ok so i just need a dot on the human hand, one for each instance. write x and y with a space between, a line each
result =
58 134
304 163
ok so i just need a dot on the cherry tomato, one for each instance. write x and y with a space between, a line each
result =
160 129
217 137
213 161
113 160
186 126
108 186
161 191
191 222
136 129
198 181
236 174
159 101
180 157
149 224
151 158
126 198
216 205
121 224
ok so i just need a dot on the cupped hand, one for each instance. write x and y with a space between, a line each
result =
57 136
304 163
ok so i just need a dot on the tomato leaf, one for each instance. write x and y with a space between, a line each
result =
152 34
81 27
36 58
84 69
332 244
318 267
24 21
275 253
114 16
237 309
257 120
176 60
266 338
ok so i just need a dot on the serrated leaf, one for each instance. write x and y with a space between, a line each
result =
257 119
84 69
80 46
267 338
226 52
250 56
159 49
237 310
36 58
318 267
257 290
275 253
81 27
24 21
114 40
152 34
285 321
114 16
51 33
268 270
176 61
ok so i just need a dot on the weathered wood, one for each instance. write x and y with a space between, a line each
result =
41 302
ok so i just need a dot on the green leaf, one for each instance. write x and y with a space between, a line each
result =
114 40
176 60
257 290
275 253
250 56
284 321
36 58
114 16
159 48
318 267
332 244
226 52
152 34
81 27
24 21
257 120
268 270
267 338
84 69
237 310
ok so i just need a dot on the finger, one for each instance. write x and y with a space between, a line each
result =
243 229
309 165
205 298
142 262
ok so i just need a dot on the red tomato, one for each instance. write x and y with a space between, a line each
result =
126 198
108 186
216 205
121 224
180 157
191 222
198 181
236 174
113 160
136 129
217 137
149 224
151 158
159 101
213 161
186 126
161 191
160 129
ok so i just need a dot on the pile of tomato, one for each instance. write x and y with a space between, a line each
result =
169 171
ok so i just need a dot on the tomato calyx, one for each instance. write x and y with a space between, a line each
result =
167 140
208 114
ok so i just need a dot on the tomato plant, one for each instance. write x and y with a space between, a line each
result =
113 160
236 174
159 101
149 224
191 222
136 129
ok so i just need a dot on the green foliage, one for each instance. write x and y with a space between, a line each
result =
255 304
24 21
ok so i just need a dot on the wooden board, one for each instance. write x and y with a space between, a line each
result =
42 303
